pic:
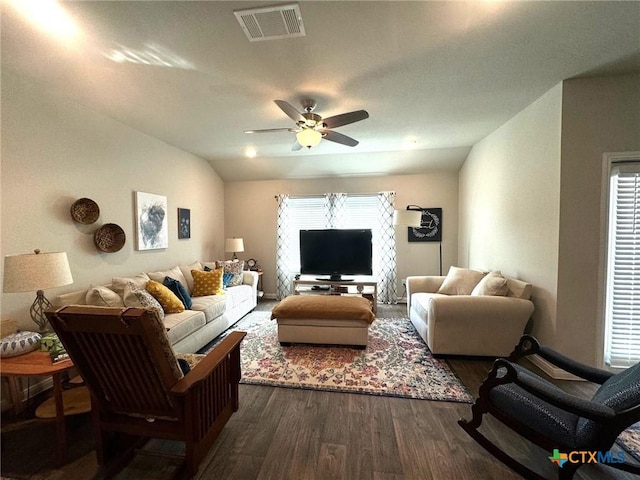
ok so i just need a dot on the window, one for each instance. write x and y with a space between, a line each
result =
622 306
337 210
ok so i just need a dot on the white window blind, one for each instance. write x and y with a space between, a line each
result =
306 213
316 213
622 339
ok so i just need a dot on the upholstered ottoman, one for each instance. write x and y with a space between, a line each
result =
323 319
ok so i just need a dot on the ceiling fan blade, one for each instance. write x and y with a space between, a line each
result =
290 110
345 118
269 130
296 146
339 138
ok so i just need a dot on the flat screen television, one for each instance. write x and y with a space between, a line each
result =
335 252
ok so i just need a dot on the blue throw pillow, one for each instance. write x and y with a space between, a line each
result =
179 290
226 279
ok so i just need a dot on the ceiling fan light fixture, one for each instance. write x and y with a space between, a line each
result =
309 137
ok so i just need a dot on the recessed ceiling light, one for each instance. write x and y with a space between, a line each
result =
250 152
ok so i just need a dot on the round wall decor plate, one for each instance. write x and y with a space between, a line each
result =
109 238
85 211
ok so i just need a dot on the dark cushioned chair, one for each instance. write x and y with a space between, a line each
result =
137 389
551 418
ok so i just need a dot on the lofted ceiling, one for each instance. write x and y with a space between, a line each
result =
435 77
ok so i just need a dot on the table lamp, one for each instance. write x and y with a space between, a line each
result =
234 245
34 272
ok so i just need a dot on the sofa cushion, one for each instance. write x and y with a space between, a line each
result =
183 324
460 281
174 272
118 283
207 283
420 303
491 284
168 300
179 290
186 273
103 297
134 296
212 306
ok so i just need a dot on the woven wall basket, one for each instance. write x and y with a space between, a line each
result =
109 238
85 211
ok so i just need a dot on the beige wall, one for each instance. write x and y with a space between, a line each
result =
55 151
250 212
598 115
509 204
531 203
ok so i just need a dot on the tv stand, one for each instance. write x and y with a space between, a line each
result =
336 278
362 286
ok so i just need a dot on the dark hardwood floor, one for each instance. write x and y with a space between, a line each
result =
283 433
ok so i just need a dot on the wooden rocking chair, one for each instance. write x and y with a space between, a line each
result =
138 390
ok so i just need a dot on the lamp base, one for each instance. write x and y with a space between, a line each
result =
38 307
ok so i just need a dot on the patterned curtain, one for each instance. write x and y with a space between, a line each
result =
340 211
283 244
335 204
387 273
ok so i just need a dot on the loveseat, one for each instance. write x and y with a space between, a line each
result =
188 330
469 312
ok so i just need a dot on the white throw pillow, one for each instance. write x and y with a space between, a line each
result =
103 297
134 296
118 283
186 273
460 281
175 273
493 284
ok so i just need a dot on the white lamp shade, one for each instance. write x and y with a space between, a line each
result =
234 245
409 218
36 271
309 137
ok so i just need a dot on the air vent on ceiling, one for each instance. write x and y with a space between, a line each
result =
271 23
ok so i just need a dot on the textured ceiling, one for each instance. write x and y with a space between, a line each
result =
435 77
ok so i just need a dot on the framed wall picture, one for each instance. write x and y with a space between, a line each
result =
430 229
152 230
184 223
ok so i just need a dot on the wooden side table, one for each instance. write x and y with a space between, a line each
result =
39 364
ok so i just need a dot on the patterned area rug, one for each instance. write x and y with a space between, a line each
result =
630 440
395 363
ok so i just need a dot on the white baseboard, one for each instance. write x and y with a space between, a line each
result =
551 370
35 388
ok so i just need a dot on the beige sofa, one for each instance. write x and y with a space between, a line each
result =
467 320
192 329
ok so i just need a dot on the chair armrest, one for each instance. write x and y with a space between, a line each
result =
529 345
546 392
208 364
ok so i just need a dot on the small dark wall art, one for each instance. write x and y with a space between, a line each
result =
430 229
184 223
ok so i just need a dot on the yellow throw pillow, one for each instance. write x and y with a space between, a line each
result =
169 301
207 283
